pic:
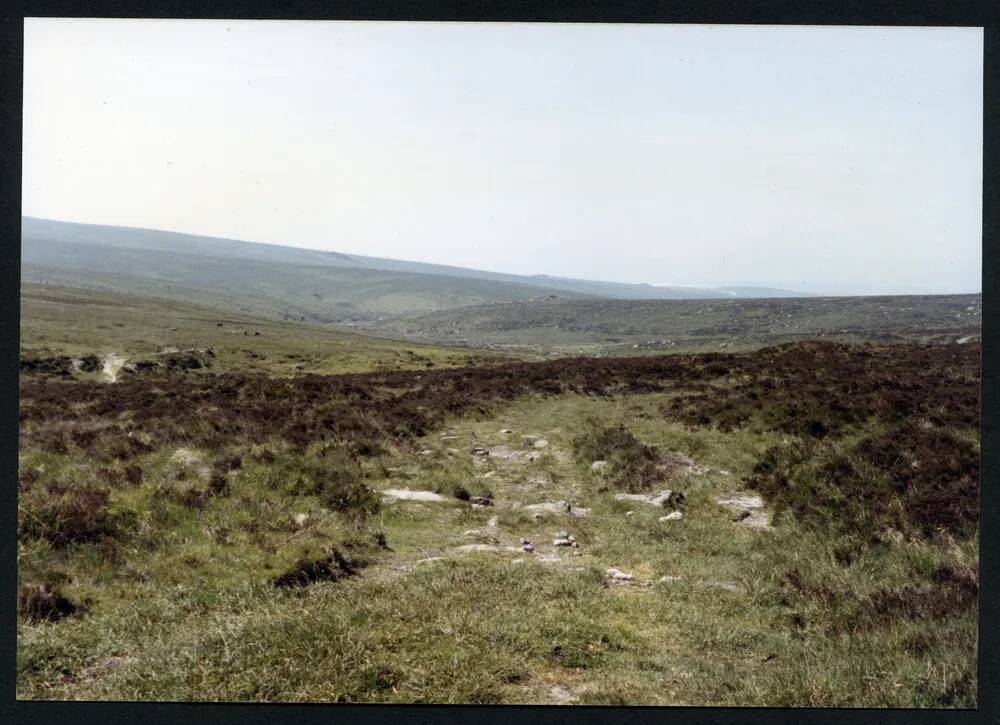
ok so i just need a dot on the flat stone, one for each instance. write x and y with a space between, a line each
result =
742 501
404 494
552 507
658 500
618 574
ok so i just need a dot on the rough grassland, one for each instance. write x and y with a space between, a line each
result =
193 535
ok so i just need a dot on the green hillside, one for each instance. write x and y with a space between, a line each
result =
611 326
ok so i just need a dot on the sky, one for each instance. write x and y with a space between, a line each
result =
824 159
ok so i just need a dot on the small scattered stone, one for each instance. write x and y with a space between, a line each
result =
598 466
504 431
673 516
580 512
300 519
630 513
552 507
427 452
541 443
493 522
480 501
618 574
527 548
667 579
393 494
562 542
658 500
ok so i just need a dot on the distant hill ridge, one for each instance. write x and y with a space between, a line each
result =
46 241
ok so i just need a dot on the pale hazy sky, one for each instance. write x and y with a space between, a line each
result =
824 159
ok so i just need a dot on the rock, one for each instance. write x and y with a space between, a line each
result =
742 501
673 516
562 542
480 501
185 457
658 500
618 574
426 452
551 507
300 519
580 512
403 494
560 695
493 523
541 443
667 579
504 431
630 513
598 466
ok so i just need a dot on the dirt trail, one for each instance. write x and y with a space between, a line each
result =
111 365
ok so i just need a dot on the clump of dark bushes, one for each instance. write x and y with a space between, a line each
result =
334 476
909 478
332 567
43 603
64 514
632 465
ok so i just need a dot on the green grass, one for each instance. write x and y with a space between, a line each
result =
182 612
75 322
173 577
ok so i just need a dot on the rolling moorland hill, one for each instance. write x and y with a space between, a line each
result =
624 326
286 281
